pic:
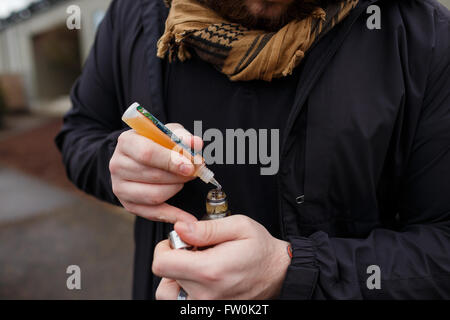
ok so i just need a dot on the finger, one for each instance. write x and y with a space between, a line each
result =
145 194
129 169
197 143
211 232
193 142
149 153
177 264
200 291
163 212
167 290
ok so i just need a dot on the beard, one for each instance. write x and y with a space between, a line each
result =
263 14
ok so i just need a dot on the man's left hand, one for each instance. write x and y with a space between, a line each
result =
243 261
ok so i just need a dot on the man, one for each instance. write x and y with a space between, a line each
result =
359 207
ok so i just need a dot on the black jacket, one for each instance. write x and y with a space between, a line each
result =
374 106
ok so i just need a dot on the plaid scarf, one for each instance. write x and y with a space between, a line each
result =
238 52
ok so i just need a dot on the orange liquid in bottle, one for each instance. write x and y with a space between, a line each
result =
148 129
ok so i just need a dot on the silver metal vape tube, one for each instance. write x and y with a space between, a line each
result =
178 244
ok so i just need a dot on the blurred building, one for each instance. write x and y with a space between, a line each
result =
40 57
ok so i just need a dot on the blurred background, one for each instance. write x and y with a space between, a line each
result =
47 225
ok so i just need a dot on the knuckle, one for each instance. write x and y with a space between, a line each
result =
156 267
113 165
158 250
146 154
116 188
129 207
156 197
243 221
159 294
173 160
180 187
163 291
155 176
209 229
123 138
120 139
211 275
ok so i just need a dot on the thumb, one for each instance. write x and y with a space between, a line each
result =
211 232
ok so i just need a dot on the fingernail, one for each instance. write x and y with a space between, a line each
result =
186 227
186 169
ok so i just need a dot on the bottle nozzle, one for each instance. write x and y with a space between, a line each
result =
207 176
216 183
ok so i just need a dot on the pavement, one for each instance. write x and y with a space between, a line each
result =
46 225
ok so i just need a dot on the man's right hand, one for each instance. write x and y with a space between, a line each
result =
145 175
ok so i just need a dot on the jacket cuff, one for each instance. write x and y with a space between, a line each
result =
302 273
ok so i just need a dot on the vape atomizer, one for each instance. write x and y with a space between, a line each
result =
216 205
216 208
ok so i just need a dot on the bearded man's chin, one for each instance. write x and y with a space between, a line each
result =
261 14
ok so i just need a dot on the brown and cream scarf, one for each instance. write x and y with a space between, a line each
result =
238 52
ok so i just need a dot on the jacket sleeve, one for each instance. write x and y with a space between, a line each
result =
89 134
414 260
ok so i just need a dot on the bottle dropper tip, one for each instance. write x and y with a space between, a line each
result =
217 184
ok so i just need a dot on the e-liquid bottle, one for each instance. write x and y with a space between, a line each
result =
146 124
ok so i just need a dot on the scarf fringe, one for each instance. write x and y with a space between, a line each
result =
165 47
293 63
319 13
164 44
183 52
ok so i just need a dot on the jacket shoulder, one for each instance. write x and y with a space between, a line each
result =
440 10
422 25
126 13
424 11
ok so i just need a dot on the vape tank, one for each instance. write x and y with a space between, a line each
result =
216 208
216 205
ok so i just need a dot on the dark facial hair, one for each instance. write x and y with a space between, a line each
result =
237 11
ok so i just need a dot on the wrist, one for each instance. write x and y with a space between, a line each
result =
281 262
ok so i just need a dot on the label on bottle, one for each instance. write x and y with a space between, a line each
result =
166 130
